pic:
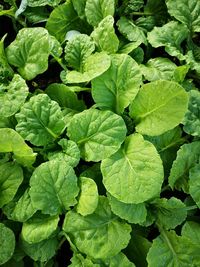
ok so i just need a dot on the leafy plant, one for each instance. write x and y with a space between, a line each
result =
99 133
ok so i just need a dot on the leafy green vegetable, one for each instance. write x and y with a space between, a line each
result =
7 241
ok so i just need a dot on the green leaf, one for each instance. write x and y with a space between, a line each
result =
99 235
40 120
158 107
29 52
159 68
191 230
118 86
94 66
34 3
191 121
78 261
11 141
194 183
119 260
174 250
13 96
7 243
42 251
39 228
69 152
170 212
96 10
187 156
53 187
97 133
180 73
64 96
187 12
63 19
77 50
132 32
192 61
133 213
23 209
138 166
11 176
105 37
79 6
88 197
55 47
171 35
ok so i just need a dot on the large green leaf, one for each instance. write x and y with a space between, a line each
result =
105 37
173 250
77 50
13 96
191 230
11 176
88 197
158 107
118 86
191 121
96 10
194 183
11 141
133 213
97 133
99 235
94 66
79 6
171 35
187 12
187 157
29 52
40 120
39 228
53 187
138 166
7 243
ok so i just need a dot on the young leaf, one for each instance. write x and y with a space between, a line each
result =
105 37
29 52
35 3
100 133
99 235
53 187
11 141
13 96
40 120
96 10
194 184
138 166
118 86
7 243
88 198
158 107
10 179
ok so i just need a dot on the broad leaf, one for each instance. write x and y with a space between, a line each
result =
96 10
158 107
40 120
29 55
105 37
7 243
39 228
88 197
11 141
53 187
118 86
138 166
94 66
13 96
191 230
119 260
79 6
194 183
100 133
11 176
99 235
187 12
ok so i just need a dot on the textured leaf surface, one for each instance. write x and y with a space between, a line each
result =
191 230
53 187
40 120
158 107
134 173
194 183
119 260
99 235
7 243
97 133
29 52
118 86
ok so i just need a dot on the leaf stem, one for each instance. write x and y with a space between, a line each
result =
194 207
141 13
